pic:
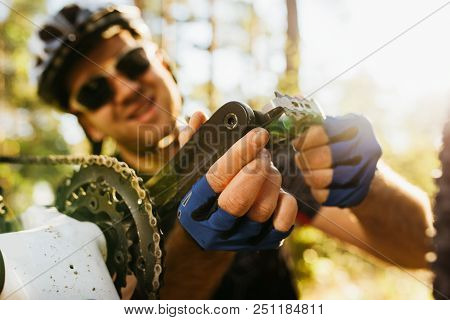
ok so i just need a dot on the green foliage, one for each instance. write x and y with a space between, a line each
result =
30 127
329 269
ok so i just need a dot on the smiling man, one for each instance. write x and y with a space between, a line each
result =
102 66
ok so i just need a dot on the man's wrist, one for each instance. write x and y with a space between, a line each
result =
375 187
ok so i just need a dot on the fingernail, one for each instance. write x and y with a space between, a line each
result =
260 136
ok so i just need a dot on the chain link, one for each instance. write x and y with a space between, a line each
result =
3 209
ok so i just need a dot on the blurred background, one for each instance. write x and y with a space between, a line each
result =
387 60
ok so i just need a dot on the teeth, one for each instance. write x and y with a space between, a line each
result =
142 110
146 105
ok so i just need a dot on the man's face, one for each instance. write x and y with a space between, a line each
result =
141 111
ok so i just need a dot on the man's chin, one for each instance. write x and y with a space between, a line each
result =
137 137
150 135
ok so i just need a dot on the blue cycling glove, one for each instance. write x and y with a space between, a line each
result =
355 153
215 229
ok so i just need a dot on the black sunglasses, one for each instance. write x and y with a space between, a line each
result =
97 91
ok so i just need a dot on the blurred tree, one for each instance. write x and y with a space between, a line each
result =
289 82
140 4
26 126
212 103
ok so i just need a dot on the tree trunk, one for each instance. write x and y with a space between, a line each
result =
212 103
289 82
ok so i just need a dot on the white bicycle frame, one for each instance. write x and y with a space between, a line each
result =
55 257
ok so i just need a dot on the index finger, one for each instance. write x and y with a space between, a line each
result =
240 154
197 119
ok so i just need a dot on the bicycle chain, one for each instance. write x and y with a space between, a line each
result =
3 209
121 194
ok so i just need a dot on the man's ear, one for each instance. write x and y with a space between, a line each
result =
91 131
162 55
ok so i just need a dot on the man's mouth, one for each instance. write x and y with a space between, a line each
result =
144 109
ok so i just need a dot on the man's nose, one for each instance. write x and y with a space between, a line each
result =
126 90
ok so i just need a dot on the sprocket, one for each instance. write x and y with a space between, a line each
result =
102 195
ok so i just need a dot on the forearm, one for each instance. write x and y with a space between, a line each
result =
191 272
397 220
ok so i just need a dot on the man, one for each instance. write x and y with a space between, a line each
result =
101 66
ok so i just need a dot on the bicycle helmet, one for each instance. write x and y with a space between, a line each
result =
69 35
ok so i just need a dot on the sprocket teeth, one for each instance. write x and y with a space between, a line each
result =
81 192
129 242
115 193
114 196
74 196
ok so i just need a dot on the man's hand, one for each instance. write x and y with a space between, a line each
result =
338 160
228 207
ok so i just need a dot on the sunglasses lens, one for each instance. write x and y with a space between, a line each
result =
134 63
95 93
